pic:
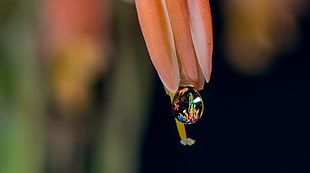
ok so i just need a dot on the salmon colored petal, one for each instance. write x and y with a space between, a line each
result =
157 32
179 19
201 28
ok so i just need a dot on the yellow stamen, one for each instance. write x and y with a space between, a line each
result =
181 128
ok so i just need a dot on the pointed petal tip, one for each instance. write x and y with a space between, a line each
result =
171 86
207 80
170 89
207 74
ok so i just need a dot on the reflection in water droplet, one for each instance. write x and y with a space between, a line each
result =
187 105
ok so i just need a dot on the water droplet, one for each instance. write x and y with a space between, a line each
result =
187 105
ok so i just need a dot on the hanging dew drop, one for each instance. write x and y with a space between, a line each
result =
187 105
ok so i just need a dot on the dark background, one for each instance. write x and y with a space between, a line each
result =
250 124
79 93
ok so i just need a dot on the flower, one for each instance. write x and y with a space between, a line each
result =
178 35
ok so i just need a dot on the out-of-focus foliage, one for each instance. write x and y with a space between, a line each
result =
21 100
70 71
257 31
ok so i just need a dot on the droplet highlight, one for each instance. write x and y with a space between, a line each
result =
187 105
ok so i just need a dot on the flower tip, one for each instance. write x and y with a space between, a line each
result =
170 90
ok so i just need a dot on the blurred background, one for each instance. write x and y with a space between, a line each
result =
78 92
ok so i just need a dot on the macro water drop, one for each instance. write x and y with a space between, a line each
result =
187 105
